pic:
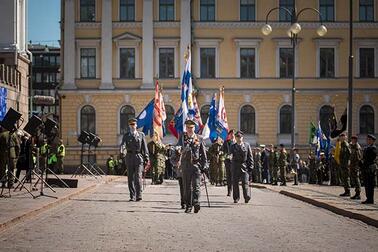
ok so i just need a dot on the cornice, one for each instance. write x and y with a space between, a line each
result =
158 24
127 25
87 25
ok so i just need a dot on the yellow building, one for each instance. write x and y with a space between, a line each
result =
113 50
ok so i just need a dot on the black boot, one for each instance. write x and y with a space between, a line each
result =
356 197
188 209
345 194
197 208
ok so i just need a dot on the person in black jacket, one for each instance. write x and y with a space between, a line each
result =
368 168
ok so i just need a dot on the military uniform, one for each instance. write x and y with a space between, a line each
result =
157 153
334 167
354 169
193 162
369 168
3 155
242 162
344 167
320 169
271 158
312 169
258 166
217 158
175 162
282 163
228 164
136 157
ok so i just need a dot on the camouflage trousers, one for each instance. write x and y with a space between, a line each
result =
354 173
345 178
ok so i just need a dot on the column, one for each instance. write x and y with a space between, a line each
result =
106 45
69 45
185 32
148 43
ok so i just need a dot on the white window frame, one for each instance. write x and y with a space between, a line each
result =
119 11
174 12
207 43
167 43
255 12
133 44
88 43
286 43
248 43
79 116
328 43
215 9
366 43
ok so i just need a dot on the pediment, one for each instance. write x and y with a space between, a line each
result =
127 36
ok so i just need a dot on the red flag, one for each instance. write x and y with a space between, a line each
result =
158 117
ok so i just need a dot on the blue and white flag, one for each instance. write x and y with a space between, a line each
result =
145 118
3 102
221 124
212 120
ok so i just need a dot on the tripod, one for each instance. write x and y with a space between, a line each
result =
43 181
82 166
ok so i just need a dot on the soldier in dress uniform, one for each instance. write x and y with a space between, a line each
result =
242 163
193 163
228 159
344 164
157 151
134 143
354 168
369 168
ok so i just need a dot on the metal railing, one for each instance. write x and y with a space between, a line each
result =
10 76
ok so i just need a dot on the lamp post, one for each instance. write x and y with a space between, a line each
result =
293 32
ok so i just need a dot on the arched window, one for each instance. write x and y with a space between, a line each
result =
88 119
125 114
248 120
325 114
170 112
366 120
285 119
205 113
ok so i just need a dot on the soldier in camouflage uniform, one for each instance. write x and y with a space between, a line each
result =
271 163
312 168
157 152
344 164
282 163
217 158
258 166
354 169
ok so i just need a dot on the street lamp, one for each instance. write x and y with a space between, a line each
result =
292 33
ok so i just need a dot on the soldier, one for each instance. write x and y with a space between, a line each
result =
14 151
228 159
369 168
157 152
344 164
320 168
271 157
282 163
3 154
258 166
334 180
217 158
354 169
136 158
242 163
193 163
312 168
60 154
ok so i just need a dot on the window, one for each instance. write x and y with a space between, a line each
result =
247 119
366 120
170 112
366 10
327 10
58 60
284 15
87 10
125 114
327 62
247 63
325 114
367 63
207 10
166 62
88 63
286 62
88 119
205 113
38 77
126 10
166 10
247 10
207 62
285 119
127 63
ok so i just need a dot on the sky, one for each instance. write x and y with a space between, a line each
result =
43 21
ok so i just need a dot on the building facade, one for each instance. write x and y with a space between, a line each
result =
14 58
113 51
45 77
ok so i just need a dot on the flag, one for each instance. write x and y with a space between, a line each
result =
212 119
158 113
337 128
3 102
221 123
163 113
145 118
197 115
319 137
312 134
206 130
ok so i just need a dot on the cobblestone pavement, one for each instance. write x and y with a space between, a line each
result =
104 220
